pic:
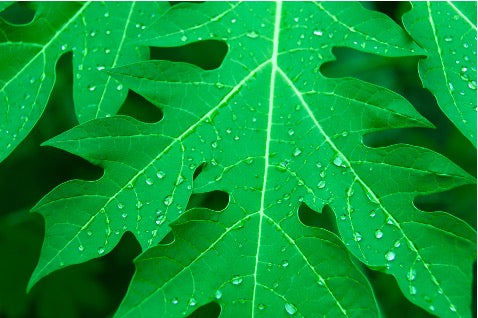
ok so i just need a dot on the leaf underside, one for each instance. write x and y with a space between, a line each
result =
270 130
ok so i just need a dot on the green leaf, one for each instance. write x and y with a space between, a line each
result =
447 31
100 35
273 133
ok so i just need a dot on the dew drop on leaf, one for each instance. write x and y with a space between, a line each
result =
390 256
81 248
290 309
168 200
321 184
236 280
378 234
297 152
101 250
218 294
160 174
149 181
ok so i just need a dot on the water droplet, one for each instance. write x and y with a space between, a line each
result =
160 174
91 88
100 67
290 309
119 87
296 19
120 205
285 263
296 152
472 85
218 294
219 85
390 256
214 144
378 234
89 233
233 20
124 215
321 184
174 301
357 237
397 243
321 281
168 200
107 14
184 38
411 274
179 180
453 308
448 38
236 280
252 34
92 33
160 219
101 250
450 85
139 204
318 32
431 307
338 161
261 306
291 132
192 302
149 181
412 290
107 51
63 47
81 248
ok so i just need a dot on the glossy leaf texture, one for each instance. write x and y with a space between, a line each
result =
99 34
447 32
272 132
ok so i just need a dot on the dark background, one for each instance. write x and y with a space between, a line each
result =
95 288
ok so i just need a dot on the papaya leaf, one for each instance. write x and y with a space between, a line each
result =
447 31
271 131
99 35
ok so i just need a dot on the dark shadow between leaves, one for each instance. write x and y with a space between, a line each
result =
168 239
324 220
141 109
207 54
18 13
214 200
210 310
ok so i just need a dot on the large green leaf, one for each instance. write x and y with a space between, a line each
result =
273 133
99 35
447 31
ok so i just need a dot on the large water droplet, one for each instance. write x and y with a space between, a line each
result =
390 256
290 308
378 234
338 161
236 280
168 200
296 152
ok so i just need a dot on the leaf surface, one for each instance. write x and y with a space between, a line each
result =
100 36
273 133
447 31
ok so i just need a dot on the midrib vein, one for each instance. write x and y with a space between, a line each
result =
274 68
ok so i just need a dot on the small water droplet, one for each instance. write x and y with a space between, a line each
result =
233 20
321 184
291 132
81 248
236 280
431 307
338 161
448 38
120 205
472 85
92 33
411 274
214 144
139 204
218 294
390 256
149 181
119 87
450 85
160 219
192 302
452 308
174 301
101 250
107 14
168 200
184 38
160 174
179 180
252 34
357 237
285 263
219 85
290 308
412 290
296 152
107 51
318 32
89 233
124 215
378 234
91 87
100 67
261 306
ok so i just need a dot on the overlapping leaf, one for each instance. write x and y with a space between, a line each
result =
99 34
447 31
274 134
